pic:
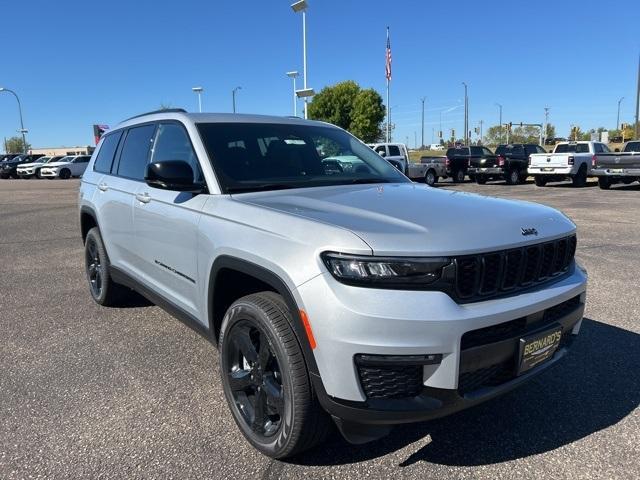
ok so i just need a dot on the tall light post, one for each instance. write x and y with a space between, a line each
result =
293 75
638 102
500 117
198 91
618 117
466 115
301 6
422 139
22 129
546 123
233 97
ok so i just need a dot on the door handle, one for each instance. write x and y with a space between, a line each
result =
103 187
143 197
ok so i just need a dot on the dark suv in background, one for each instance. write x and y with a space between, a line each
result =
8 168
463 160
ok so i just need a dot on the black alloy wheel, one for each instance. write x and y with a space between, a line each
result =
94 267
255 379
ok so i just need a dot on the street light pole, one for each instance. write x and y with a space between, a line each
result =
466 115
500 118
301 6
22 130
618 117
292 75
422 138
233 95
546 123
198 91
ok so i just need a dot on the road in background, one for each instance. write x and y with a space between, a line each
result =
90 392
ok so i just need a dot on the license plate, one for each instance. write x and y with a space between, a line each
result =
547 169
538 348
616 170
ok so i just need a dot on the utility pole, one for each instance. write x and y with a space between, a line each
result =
638 101
415 139
618 117
481 122
546 123
466 115
422 138
500 118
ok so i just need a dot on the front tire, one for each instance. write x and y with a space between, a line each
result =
103 289
540 180
265 379
65 174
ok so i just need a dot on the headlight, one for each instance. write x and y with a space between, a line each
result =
384 272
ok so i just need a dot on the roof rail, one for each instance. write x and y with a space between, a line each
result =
162 110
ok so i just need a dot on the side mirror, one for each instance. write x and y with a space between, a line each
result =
617 150
383 154
172 175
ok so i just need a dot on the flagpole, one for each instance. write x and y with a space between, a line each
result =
388 115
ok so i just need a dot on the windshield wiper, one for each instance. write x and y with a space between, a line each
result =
369 180
260 187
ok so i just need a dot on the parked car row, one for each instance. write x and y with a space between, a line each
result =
513 163
41 166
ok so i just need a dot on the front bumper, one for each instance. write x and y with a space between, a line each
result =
486 171
48 173
616 172
351 321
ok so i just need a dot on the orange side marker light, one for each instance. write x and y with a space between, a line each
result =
307 329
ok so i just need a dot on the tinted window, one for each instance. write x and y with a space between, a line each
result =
82 159
572 148
172 143
381 149
510 150
632 147
486 151
457 152
394 151
107 151
261 156
135 152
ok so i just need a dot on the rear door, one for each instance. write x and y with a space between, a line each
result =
119 188
166 224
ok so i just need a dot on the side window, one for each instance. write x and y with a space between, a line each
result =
380 149
135 152
83 159
172 143
394 151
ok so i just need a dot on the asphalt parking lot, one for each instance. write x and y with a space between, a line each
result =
90 392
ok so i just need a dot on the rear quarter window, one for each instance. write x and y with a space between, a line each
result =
107 151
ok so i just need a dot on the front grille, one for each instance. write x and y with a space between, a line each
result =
488 274
391 382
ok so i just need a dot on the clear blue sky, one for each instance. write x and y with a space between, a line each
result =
75 63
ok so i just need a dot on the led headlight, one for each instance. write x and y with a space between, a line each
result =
390 272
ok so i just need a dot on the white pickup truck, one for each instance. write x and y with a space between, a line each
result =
618 167
396 154
572 160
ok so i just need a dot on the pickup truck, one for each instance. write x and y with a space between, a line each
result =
569 160
513 161
396 154
618 167
479 162
429 169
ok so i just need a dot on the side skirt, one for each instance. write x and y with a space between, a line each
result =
189 320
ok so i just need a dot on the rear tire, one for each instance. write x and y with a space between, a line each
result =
579 180
103 289
513 177
430 178
604 183
540 180
481 180
458 176
265 378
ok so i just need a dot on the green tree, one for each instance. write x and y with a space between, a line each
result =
346 105
550 131
495 135
16 145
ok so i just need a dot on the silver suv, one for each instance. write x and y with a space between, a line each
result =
337 291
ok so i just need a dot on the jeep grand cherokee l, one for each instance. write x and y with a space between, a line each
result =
330 301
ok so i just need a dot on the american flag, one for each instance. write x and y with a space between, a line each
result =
388 62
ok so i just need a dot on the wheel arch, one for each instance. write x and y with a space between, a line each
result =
251 278
88 220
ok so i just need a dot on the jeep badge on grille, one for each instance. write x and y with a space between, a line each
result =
529 231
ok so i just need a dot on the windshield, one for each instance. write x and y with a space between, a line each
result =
510 150
65 159
262 156
42 160
572 148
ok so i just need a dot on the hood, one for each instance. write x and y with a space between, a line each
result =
55 164
29 165
414 219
